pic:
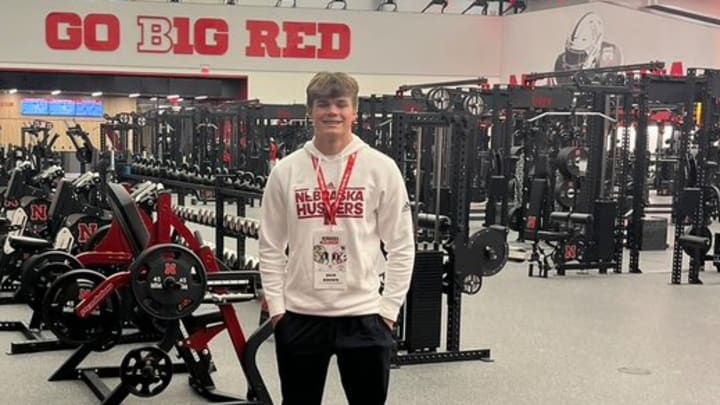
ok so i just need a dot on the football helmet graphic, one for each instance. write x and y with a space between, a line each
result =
583 45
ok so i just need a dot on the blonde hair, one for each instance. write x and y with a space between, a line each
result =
332 85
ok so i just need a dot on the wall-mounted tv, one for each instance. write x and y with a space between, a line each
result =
34 106
62 108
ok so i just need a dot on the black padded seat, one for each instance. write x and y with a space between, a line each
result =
127 214
14 184
63 193
28 243
551 236
694 242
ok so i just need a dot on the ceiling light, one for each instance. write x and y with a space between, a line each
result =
200 97
12 91
180 100
134 95
96 94
55 92
153 98
172 96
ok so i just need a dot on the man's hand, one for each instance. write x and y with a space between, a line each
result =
275 319
390 324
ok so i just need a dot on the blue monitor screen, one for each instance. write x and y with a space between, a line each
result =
34 106
63 108
89 109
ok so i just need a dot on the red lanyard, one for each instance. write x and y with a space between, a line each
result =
330 208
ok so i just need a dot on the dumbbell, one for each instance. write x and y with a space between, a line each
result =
259 183
231 260
246 181
195 175
183 172
226 222
254 229
235 224
213 219
171 170
228 180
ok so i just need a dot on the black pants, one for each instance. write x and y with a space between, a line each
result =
304 344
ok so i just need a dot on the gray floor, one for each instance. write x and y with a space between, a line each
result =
579 339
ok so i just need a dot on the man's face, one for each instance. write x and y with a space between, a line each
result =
333 117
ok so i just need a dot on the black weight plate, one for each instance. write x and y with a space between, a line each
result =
439 99
492 250
471 284
168 281
565 193
65 294
572 161
35 277
146 371
474 104
515 221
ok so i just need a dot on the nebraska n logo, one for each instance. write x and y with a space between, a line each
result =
86 231
38 212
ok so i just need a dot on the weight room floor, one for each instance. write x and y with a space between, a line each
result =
580 339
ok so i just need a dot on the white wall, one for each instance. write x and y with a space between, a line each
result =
411 6
533 41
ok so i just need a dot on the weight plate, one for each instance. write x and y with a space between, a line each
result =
146 371
474 104
565 193
37 275
168 281
417 94
572 161
515 221
439 99
471 284
58 309
492 250
703 232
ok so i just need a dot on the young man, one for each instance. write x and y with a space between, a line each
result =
331 204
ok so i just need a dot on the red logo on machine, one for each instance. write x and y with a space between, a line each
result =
38 212
532 222
570 252
170 269
11 204
267 38
182 36
70 31
86 231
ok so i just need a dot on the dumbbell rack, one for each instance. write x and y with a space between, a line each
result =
221 195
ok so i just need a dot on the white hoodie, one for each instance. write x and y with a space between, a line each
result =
376 209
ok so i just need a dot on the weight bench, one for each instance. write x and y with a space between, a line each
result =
698 245
192 345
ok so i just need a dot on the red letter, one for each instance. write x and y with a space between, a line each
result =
218 29
154 35
327 33
182 37
90 28
71 35
86 231
263 39
294 32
